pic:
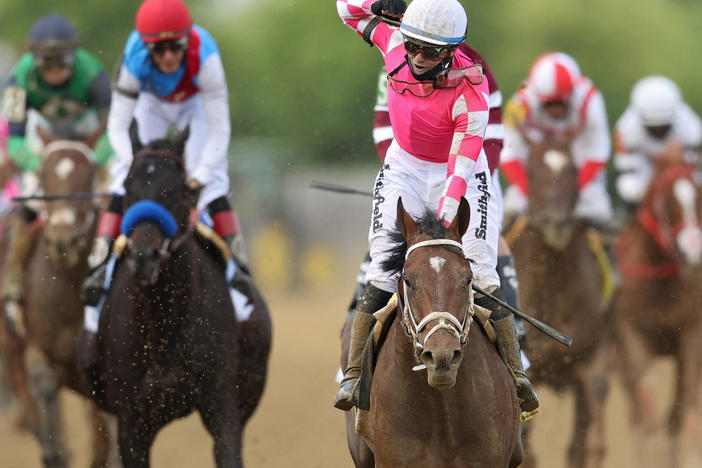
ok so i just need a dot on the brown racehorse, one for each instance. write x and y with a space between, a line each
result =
464 411
44 360
561 284
658 309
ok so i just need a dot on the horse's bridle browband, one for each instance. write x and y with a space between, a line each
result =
445 320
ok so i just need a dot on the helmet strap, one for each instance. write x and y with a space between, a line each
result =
430 75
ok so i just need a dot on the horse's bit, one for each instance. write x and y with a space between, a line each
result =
445 320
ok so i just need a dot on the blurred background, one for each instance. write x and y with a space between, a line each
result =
301 90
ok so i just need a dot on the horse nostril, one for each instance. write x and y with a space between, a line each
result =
457 355
427 357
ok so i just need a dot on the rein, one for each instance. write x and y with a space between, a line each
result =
445 320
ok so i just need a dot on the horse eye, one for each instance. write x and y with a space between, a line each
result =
407 282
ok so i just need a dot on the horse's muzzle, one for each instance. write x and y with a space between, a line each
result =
442 366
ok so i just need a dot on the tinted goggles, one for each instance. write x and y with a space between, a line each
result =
431 52
47 62
174 45
451 79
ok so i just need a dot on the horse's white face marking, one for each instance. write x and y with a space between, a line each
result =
437 263
151 168
555 160
690 237
65 167
63 216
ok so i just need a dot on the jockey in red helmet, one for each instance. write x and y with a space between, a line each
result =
170 76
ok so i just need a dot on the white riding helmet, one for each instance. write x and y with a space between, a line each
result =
552 77
440 22
656 100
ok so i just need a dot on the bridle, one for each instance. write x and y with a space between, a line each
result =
445 320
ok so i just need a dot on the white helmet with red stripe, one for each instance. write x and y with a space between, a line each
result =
440 22
656 100
552 77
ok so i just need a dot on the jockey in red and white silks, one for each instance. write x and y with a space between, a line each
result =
557 101
656 121
437 154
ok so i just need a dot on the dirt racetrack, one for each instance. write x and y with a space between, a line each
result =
296 425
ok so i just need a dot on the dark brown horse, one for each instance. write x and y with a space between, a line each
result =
464 411
43 360
169 339
561 283
658 310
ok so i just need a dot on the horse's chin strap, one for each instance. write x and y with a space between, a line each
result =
445 320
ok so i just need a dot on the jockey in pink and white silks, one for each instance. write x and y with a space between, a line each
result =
557 102
438 105
657 123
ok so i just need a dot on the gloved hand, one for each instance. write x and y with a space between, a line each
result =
22 156
103 150
391 9
192 192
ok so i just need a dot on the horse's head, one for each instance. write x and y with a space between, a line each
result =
434 291
157 201
671 211
553 193
68 168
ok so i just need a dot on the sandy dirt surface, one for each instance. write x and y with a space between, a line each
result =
296 425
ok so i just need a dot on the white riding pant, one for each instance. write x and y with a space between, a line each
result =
154 119
420 184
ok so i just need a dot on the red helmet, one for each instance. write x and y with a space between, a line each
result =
160 20
552 77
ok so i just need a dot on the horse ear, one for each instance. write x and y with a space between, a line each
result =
43 135
404 221
459 226
180 140
134 137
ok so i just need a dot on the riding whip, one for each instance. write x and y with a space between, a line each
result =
338 188
70 196
547 329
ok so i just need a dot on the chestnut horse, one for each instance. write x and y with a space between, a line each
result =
658 309
169 340
561 283
464 412
44 359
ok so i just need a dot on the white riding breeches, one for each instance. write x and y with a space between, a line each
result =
154 119
420 184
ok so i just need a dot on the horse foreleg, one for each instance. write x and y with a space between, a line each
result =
684 418
28 416
136 435
222 420
44 386
105 450
587 449
633 361
529 459
360 452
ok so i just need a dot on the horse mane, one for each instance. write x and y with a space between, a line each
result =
428 224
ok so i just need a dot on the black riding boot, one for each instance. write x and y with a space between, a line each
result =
507 343
372 300
94 284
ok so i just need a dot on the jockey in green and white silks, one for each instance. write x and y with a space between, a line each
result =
61 88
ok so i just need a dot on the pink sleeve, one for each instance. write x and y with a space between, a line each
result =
470 115
357 14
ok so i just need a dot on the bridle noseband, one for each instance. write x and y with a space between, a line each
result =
445 320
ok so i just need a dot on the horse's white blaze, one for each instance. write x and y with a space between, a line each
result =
437 263
63 216
555 160
65 167
690 236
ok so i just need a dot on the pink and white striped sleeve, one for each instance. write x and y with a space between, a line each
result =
470 114
357 14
